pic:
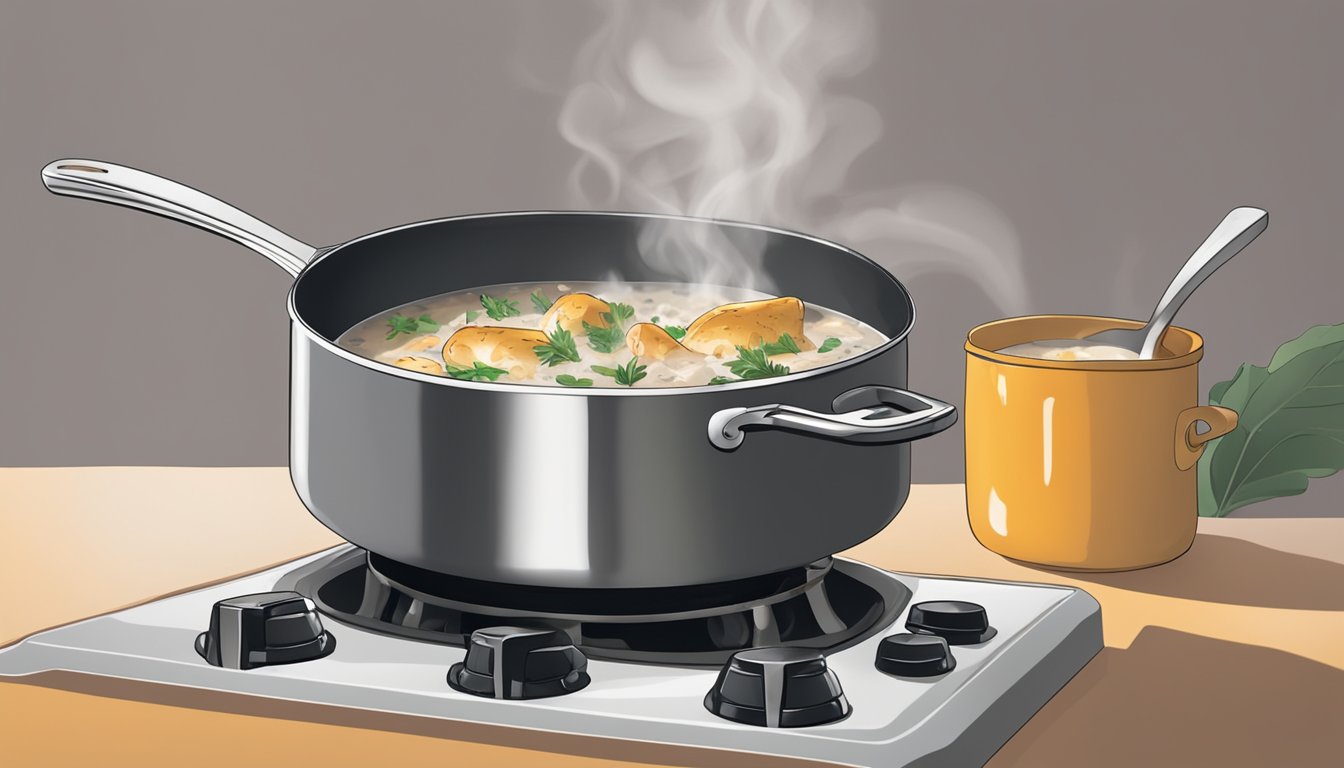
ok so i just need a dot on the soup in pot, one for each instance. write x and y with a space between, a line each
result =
585 334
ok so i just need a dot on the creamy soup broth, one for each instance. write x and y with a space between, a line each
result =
1069 349
415 336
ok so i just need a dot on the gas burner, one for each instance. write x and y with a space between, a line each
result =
827 605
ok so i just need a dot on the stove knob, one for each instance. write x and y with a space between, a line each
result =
265 628
520 663
914 656
956 621
777 688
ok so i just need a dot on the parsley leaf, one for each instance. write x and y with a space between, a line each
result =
498 309
755 364
785 345
610 338
654 319
559 347
540 301
477 372
625 375
410 325
829 344
717 380
565 380
604 338
675 331
472 314
620 314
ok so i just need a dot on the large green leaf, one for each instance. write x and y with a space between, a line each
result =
1291 426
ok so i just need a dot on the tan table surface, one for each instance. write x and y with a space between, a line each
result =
1232 655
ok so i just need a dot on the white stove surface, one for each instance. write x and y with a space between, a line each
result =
1045 635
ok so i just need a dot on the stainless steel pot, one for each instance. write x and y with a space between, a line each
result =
555 487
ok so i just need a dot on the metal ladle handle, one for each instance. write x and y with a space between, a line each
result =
1236 231
119 185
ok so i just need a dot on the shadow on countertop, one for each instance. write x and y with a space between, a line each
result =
1177 699
1221 569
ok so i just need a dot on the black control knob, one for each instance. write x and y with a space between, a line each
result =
956 621
520 663
266 628
777 688
914 656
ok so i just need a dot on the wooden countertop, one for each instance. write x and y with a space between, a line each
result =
1231 655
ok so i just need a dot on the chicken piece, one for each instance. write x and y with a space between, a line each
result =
422 344
421 364
497 346
747 324
650 342
572 310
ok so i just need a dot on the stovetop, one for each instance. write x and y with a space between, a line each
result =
1042 636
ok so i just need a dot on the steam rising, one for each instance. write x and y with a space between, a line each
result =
728 109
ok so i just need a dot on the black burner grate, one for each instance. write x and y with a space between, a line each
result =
828 605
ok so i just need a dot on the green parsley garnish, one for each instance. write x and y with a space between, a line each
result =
620 314
565 380
755 364
410 325
610 337
829 344
717 380
559 348
675 331
472 315
604 338
477 372
540 301
784 346
654 319
498 309
626 375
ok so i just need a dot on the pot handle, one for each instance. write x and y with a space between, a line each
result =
119 185
870 414
1190 444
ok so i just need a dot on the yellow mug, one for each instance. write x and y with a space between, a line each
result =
1084 465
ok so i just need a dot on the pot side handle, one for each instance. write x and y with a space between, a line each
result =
119 185
870 414
1189 443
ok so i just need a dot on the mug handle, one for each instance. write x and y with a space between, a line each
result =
1190 444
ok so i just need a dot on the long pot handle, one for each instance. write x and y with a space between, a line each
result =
119 185
869 414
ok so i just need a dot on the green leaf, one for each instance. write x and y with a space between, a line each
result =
717 380
625 375
540 301
498 309
477 372
829 344
559 348
606 339
399 324
472 315
610 337
1291 425
785 345
654 319
565 380
675 331
755 364
424 324
620 315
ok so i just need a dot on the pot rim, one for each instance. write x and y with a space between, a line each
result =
1188 358
540 389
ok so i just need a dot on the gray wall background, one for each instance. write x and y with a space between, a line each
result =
1112 135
